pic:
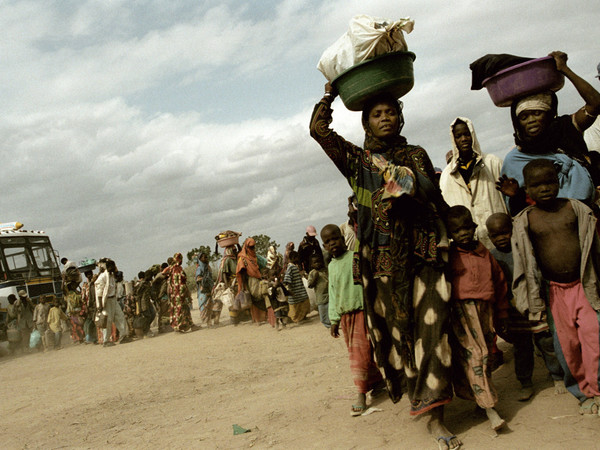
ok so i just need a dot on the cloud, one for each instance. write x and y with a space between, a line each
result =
133 133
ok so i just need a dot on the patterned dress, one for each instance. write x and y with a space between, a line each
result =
406 294
179 296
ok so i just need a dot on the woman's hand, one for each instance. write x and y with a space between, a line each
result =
508 186
330 90
560 58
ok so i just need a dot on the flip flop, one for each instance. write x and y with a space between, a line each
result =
447 441
357 410
588 406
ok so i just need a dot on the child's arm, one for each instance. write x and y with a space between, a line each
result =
501 303
313 276
334 316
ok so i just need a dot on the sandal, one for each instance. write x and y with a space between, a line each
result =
588 406
447 440
357 410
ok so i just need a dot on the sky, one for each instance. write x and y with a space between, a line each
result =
134 130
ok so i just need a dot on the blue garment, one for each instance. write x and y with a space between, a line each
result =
202 300
574 179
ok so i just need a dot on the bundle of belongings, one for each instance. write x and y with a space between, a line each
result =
366 38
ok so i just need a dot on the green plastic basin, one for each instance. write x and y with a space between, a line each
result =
391 73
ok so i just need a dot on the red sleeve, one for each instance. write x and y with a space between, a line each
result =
501 304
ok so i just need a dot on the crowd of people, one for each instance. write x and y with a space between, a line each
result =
446 262
430 267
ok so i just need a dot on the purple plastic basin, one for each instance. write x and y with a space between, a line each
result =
527 78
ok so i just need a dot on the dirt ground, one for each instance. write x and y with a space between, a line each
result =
292 389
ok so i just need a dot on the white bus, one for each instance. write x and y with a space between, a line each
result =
28 262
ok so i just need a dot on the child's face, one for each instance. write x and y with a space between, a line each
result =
462 230
316 263
500 234
542 185
333 241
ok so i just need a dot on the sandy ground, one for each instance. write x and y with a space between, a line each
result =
292 389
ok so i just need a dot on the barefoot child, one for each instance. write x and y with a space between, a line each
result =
519 330
479 300
556 252
55 317
318 279
346 312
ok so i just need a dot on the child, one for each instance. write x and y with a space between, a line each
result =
55 316
556 251
319 279
278 298
479 300
519 330
346 311
40 317
298 301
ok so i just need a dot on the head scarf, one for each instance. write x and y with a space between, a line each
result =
178 257
537 102
475 145
388 147
560 136
273 258
286 256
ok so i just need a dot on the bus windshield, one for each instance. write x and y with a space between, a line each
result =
27 257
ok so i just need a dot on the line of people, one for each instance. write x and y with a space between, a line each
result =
432 311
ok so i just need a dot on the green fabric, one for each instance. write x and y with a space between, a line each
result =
319 281
344 295
239 430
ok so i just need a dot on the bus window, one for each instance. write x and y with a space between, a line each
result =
16 258
44 257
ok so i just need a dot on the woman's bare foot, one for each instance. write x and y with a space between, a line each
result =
496 421
559 387
444 438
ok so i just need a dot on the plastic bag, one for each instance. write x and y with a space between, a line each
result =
373 36
366 38
34 339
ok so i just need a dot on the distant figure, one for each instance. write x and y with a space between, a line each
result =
349 227
26 323
248 279
298 301
144 311
40 319
318 279
308 247
159 290
179 296
88 298
204 284
479 305
55 318
106 303
71 277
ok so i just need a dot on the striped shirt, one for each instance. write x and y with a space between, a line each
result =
293 282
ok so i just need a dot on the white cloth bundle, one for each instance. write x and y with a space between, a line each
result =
366 38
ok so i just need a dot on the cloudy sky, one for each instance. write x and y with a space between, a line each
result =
134 129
